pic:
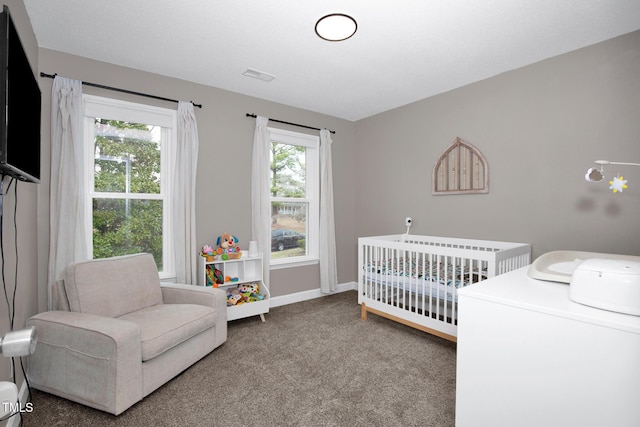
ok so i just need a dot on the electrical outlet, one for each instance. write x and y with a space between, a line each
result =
408 221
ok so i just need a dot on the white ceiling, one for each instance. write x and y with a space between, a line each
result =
403 51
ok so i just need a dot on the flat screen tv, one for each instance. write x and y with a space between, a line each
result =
19 109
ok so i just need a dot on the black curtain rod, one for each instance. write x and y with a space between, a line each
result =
51 76
289 123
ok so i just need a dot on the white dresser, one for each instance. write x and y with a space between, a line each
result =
529 356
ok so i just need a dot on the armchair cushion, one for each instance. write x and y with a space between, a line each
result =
113 287
164 326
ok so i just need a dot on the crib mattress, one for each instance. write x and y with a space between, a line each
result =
422 278
434 288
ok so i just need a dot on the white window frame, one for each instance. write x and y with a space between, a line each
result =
312 193
112 109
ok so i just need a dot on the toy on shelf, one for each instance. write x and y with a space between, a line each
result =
228 247
233 297
211 278
214 276
209 253
244 293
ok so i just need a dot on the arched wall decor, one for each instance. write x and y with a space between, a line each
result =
461 169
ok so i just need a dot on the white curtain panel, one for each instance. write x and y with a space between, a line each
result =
69 233
260 198
184 195
328 266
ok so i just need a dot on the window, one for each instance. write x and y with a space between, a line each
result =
128 183
294 197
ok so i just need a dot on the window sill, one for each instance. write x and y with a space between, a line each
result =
292 264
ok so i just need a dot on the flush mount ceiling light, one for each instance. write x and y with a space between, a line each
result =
336 27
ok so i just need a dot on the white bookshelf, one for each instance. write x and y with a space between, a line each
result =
245 270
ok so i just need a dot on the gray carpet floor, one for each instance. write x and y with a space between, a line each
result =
314 363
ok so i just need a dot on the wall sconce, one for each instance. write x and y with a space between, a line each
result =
617 184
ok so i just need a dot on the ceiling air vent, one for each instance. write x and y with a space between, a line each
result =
250 72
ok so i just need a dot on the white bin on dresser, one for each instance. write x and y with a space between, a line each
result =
529 356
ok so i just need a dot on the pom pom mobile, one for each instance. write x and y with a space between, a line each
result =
617 184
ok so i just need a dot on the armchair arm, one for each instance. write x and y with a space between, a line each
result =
90 359
178 293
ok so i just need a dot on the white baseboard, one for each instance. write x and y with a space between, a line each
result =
307 295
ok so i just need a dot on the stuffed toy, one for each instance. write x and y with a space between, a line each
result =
234 299
250 292
228 247
243 293
251 288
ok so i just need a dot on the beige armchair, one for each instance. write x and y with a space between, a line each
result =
118 333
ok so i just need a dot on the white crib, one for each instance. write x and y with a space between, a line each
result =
414 279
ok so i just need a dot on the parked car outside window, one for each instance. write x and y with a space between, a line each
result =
284 238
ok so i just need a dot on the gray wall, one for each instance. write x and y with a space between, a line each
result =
25 205
540 127
224 165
